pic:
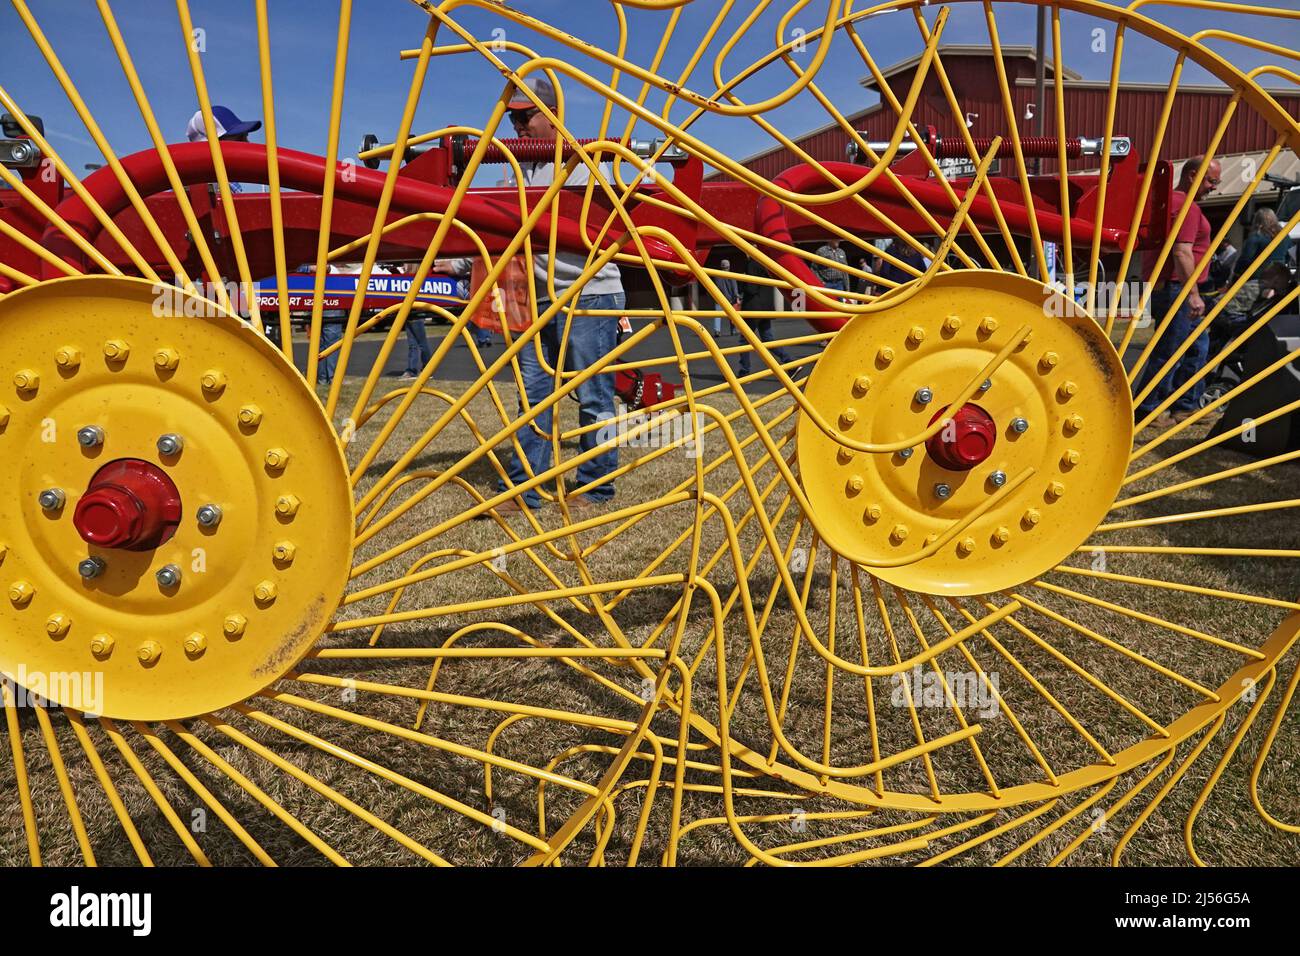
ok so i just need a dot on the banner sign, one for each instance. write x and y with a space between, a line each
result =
340 289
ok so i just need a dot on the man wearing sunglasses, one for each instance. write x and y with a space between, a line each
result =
589 337
1190 249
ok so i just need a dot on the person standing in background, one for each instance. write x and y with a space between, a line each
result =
730 292
832 277
758 298
589 337
1190 247
463 267
230 128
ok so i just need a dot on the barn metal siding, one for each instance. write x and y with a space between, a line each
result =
1193 120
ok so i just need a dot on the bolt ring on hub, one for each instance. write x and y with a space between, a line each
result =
111 578
1065 380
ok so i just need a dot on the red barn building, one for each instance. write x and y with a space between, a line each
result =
971 71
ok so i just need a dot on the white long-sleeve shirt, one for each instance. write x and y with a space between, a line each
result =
568 265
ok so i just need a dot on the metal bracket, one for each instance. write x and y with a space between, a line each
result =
19 153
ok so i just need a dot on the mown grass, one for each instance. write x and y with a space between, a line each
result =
1228 831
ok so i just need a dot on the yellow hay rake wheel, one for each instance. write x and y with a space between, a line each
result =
931 581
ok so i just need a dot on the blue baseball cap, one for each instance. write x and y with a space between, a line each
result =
227 123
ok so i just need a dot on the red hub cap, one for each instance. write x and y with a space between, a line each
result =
130 504
966 442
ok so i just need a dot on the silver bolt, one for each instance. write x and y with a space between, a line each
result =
168 576
91 436
1019 425
986 385
942 491
91 568
905 454
923 395
52 499
209 516
170 444
998 479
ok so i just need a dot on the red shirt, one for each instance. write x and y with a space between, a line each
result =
1196 230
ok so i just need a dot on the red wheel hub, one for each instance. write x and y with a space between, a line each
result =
966 442
129 504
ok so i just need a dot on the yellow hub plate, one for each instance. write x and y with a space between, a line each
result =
255 590
1062 471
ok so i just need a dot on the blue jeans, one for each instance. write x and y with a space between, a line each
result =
330 332
418 352
590 338
1180 327
763 329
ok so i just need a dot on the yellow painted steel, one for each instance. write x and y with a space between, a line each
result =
741 632
1062 381
282 574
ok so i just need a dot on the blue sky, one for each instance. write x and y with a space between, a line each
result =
461 89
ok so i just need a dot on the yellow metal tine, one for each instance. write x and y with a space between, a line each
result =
203 793
1013 128
1149 619
325 790
1086 675
437 743
1023 819
257 793
1185 588
1220 6
792 655
273 176
868 690
218 161
1174 779
1278 505
327 192
494 269
1258 465
1052 700
1062 163
1117 647
1206 409
20 772
1189 823
96 134
1103 177
65 785
22 278
1266 747
1213 313
181 830
1005 707
105 221
1112 811
381 214
1143 195
829 702
887 94
110 789
197 233
959 121
36 249
912 712
1163 256
1057 824
906 605
392 776
49 215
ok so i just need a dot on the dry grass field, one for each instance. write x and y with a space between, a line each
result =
1228 831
